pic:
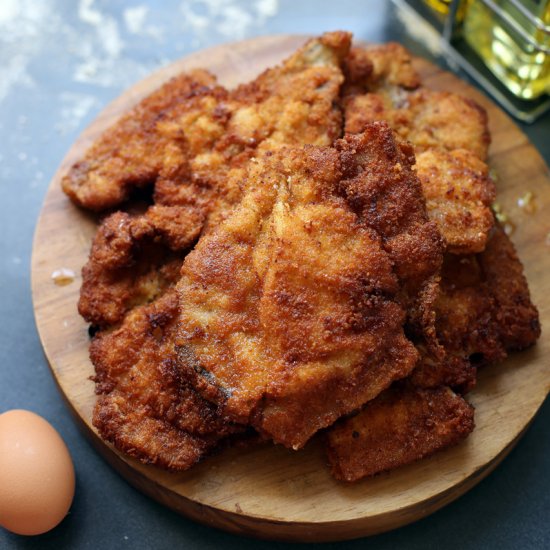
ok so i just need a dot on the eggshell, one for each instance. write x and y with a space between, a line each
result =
36 474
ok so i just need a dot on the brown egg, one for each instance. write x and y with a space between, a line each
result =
36 474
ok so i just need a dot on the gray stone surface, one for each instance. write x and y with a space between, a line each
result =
60 62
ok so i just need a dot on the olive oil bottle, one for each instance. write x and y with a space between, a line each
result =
513 45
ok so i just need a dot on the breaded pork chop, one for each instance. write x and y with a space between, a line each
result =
131 152
291 310
483 312
134 259
485 308
426 118
144 407
190 129
293 103
209 138
459 193
400 426
450 138
378 184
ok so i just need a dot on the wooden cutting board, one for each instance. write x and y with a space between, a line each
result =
268 491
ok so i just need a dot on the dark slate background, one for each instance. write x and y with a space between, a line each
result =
61 61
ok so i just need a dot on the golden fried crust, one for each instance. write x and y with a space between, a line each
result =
450 138
399 427
466 310
452 368
369 69
289 309
328 50
465 326
134 259
426 118
294 103
459 193
130 153
291 104
144 407
383 190
106 295
483 312
515 314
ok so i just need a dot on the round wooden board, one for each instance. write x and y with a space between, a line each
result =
268 491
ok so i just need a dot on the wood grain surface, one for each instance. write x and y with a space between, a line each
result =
268 491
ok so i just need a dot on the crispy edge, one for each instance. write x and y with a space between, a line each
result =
202 374
515 314
133 259
144 407
128 154
483 312
399 427
427 118
459 192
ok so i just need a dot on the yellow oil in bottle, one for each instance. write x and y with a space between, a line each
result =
440 6
524 69
443 7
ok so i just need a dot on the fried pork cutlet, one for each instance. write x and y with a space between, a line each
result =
427 118
483 312
144 406
385 68
459 193
293 103
379 187
191 129
484 309
449 133
134 259
291 310
400 426
209 138
130 153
